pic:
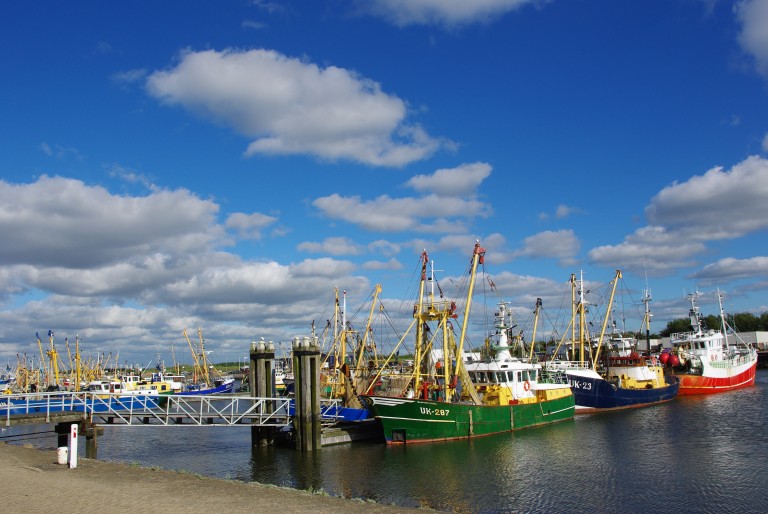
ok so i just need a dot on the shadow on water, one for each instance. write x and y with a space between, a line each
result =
694 454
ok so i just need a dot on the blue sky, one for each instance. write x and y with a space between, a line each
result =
226 165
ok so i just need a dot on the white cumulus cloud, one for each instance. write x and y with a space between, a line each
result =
721 204
459 181
729 268
562 245
290 106
438 211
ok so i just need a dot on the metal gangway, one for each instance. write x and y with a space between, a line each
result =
119 409
203 410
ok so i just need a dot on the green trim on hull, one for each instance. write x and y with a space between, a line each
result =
406 420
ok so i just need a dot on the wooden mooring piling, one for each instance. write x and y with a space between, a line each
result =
262 380
307 426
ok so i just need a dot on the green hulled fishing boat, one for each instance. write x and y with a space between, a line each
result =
459 396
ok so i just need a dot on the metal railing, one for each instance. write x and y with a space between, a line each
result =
204 410
165 410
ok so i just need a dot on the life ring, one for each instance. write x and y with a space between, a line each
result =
527 385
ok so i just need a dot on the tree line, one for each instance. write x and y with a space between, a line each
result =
742 322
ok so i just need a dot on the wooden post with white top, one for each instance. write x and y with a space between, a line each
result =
306 371
262 382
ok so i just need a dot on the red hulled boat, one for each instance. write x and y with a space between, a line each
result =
710 361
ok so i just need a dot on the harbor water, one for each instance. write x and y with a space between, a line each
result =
694 454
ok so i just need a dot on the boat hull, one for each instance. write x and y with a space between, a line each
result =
595 394
712 383
227 387
336 412
408 420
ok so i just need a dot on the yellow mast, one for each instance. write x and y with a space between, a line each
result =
78 371
69 354
194 356
42 355
418 314
336 350
478 256
343 337
535 324
203 358
605 320
424 312
361 351
54 357
447 365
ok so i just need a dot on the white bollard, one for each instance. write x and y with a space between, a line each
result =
73 447
61 453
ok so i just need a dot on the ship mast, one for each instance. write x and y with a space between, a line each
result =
343 340
364 342
336 364
605 320
535 325
647 320
478 257
419 315
582 318
722 316
573 317
78 369
446 369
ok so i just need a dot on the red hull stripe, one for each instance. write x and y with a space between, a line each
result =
694 384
